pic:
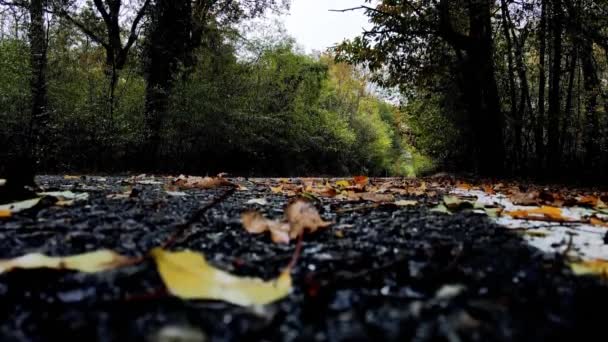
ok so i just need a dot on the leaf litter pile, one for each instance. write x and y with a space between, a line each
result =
233 259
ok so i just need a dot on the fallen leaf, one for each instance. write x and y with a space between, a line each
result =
488 189
588 201
521 198
66 198
406 203
255 223
276 189
303 216
186 182
343 184
544 213
361 180
258 201
5 213
597 222
454 203
464 186
176 193
376 198
300 216
187 275
89 262
597 267
20 206
69 177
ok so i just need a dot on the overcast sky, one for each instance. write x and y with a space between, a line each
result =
315 28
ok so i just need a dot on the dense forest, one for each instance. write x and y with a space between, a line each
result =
521 86
141 85
511 88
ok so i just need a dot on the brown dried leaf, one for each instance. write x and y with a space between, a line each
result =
300 217
186 182
303 216
255 223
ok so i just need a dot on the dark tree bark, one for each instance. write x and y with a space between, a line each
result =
568 119
554 153
514 112
539 135
40 114
479 83
167 48
592 86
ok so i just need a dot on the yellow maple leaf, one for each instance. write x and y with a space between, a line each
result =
188 275
92 262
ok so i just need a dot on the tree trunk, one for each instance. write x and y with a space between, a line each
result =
540 117
168 46
514 112
554 118
484 101
40 116
592 86
479 86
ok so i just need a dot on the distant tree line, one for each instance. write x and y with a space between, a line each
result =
520 86
165 85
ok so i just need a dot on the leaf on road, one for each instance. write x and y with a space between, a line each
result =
92 262
255 223
597 222
361 180
406 203
544 213
523 198
597 267
189 182
454 203
65 198
276 189
5 213
300 217
20 206
303 216
187 275
343 184
258 201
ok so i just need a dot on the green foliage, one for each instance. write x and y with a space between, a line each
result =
14 95
275 112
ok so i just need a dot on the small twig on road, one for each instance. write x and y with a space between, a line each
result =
296 253
198 215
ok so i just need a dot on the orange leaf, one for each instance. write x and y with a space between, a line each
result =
588 201
276 190
597 222
597 267
488 189
544 213
5 213
464 186
361 180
